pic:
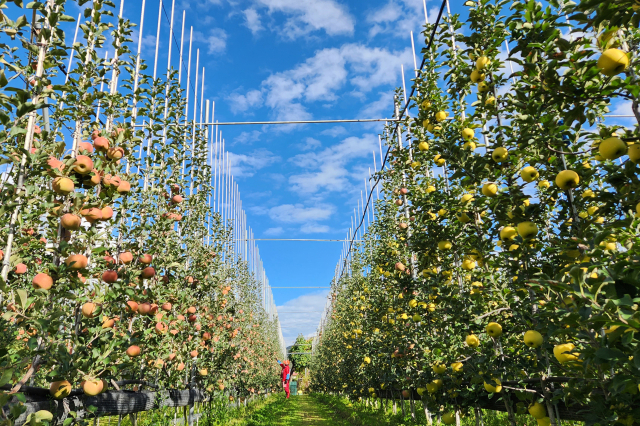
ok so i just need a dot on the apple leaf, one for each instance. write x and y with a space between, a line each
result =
608 354
6 377
23 296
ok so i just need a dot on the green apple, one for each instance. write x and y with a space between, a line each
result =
613 62
567 179
533 339
612 148
529 174
494 329
527 230
500 154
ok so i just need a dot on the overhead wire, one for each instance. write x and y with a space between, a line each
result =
395 131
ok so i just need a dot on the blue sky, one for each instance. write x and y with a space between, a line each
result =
293 60
296 60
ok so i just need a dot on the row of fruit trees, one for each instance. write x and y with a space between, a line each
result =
503 265
114 267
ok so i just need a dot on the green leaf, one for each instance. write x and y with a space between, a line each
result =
3 79
6 377
23 296
607 353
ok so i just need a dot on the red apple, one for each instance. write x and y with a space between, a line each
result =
110 276
42 281
70 221
83 165
76 261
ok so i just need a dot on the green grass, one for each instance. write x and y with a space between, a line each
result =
312 410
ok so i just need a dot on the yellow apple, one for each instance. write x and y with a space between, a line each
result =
439 368
468 134
456 367
508 233
546 421
441 116
565 352
472 341
588 194
482 62
449 419
527 230
477 76
468 264
426 104
430 189
533 339
613 62
489 189
500 154
493 389
483 87
413 303
423 146
432 387
463 217
469 146
567 179
537 410
494 329
634 152
439 160
420 391
491 101
529 174
444 245
544 184
612 148
367 360
466 198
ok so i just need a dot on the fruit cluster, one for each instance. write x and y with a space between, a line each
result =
503 263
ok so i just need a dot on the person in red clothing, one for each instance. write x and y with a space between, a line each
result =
285 376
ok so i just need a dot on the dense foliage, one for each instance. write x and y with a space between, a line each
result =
503 262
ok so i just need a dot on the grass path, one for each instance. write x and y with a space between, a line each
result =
302 410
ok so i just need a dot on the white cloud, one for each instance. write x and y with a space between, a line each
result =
314 228
320 77
290 213
247 137
274 231
311 305
382 108
398 17
252 20
215 39
329 166
334 131
306 16
246 165
241 103
310 144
